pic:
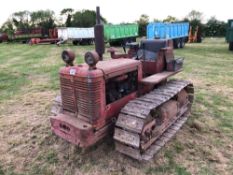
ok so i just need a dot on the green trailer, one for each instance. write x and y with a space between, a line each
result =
229 35
120 34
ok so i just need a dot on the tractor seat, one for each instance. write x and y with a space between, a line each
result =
133 45
149 48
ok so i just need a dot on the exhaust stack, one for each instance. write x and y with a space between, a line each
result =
99 35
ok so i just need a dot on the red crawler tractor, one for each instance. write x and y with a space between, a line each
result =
129 94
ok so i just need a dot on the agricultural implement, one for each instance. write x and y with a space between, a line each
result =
115 35
129 94
119 35
51 38
195 35
177 32
82 36
3 37
229 34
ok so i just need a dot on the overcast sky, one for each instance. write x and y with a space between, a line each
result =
116 11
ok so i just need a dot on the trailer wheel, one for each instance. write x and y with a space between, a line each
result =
134 39
175 43
114 43
75 42
111 44
231 46
182 42
199 40
179 43
88 42
81 42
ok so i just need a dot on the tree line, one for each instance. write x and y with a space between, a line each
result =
26 20
86 18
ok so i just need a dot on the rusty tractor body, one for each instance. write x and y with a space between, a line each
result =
129 94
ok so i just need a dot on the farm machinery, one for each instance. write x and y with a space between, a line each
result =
128 95
229 34
177 32
3 37
194 35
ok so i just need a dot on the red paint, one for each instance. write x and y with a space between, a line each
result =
86 117
3 37
153 67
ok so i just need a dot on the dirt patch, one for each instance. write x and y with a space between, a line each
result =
25 123
202 147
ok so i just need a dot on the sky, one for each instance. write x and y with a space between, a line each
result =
117 11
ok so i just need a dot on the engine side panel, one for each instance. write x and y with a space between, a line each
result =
97 95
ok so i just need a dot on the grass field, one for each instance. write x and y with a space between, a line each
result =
29 82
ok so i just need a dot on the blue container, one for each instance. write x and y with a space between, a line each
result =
167 30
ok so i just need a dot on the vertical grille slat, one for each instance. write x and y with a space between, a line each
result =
89 96
81 96
67 94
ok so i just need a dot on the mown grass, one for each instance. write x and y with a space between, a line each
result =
20 63
29 82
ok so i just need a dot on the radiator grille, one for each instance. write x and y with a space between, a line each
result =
82 96
67 94
88 95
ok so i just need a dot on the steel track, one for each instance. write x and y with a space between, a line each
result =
136 115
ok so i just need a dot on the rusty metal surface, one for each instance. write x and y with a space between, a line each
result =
155 65
127 137
164 108
83 97
77 131
130 122
99 35
67 94
116 65
164 138
89 95
57 105
155 146
157 78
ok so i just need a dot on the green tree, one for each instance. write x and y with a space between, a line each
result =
68 12
21 19
85 18
143 22
195 19
170 19
195 15
8 27
156 20
43 18
215 27
184 20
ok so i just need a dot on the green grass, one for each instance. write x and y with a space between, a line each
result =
171 167
29 82
21 63
1 171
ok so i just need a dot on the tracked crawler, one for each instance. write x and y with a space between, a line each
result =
128 94
146 123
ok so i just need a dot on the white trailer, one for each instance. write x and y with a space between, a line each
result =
80 36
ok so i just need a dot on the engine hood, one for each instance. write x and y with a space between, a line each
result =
108 68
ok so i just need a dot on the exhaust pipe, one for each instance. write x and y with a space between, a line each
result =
99 35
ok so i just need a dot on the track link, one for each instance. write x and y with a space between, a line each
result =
138 132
